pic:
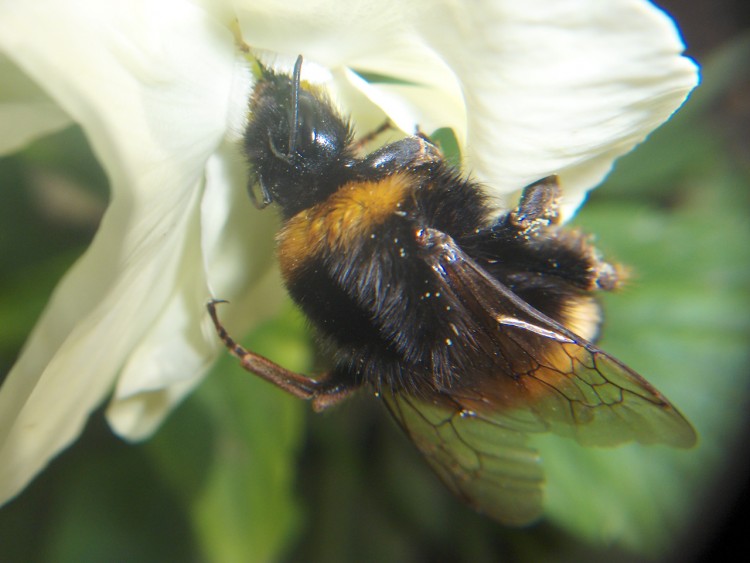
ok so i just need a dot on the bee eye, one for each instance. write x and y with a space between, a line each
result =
318 134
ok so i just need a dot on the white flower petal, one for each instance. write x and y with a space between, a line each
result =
173 354
76 349
563 87
238 247
322 29
26 112
236 238
369 37
549 87
134 76
178 349
414 106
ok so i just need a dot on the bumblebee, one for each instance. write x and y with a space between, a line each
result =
474 329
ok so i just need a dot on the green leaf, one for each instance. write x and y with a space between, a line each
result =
683 323
243 507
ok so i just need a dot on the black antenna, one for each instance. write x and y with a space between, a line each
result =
295 105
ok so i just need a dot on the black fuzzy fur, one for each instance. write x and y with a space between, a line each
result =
382 312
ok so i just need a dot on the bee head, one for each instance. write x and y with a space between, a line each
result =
297 144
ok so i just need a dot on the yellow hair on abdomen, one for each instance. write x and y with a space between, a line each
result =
354 211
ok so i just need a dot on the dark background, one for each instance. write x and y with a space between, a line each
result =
706 27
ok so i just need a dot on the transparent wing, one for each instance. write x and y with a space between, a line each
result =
486 465
570 386
532 375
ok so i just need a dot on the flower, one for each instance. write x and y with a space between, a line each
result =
160 90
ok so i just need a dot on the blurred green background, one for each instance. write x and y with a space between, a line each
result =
241 472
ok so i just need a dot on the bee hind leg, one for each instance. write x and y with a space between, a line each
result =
323 391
